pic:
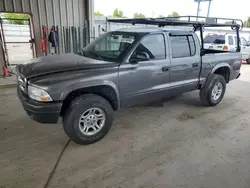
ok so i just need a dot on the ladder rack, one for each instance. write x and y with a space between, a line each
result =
183 21
235 24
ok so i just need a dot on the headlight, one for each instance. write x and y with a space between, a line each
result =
38 94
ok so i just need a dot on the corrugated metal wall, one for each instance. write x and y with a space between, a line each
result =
49 13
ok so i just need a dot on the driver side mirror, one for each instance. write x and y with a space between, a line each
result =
140 56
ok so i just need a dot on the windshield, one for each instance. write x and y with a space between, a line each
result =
110 46
214 39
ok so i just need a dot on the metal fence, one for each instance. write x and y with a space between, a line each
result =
73 39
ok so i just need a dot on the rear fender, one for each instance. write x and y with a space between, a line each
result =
216 67
211 73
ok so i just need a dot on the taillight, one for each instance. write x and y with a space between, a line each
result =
225 48
241 61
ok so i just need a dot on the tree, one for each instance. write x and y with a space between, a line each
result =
229 22
139 15
161 16
174 14
16 16
98 14
118 13
247 22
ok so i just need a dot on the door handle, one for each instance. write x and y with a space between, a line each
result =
165 69
195 64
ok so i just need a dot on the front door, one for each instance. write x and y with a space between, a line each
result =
145 80
185 63
245 49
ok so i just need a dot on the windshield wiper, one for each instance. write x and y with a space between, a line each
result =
97 55
84 53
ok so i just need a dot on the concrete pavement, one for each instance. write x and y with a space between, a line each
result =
8 82
181 144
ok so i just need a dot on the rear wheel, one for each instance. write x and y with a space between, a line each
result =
214 90
248 61
88 119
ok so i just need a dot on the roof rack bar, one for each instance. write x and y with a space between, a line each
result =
177 21
204 17
233 20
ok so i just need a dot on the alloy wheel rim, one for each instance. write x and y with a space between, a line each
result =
217 91
92 121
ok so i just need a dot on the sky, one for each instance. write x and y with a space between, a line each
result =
219 8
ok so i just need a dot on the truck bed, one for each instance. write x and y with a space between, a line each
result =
211 61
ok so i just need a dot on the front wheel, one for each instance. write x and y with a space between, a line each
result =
88 119
248 61
213 91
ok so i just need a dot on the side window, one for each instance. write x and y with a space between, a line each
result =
153 45
230 40
182 46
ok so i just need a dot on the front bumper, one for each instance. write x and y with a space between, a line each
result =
38 111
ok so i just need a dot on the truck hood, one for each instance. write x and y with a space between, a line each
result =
60 63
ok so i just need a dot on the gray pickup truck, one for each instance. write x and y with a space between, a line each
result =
120 69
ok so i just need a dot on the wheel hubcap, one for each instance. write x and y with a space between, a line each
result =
217 91
92 121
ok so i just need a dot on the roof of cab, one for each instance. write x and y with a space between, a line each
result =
156 30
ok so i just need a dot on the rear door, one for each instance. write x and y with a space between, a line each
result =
185 62
148 80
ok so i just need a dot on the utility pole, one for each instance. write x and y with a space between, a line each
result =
209 6
198 10
153 14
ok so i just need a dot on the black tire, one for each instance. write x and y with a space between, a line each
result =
206 92
77 107
248 61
